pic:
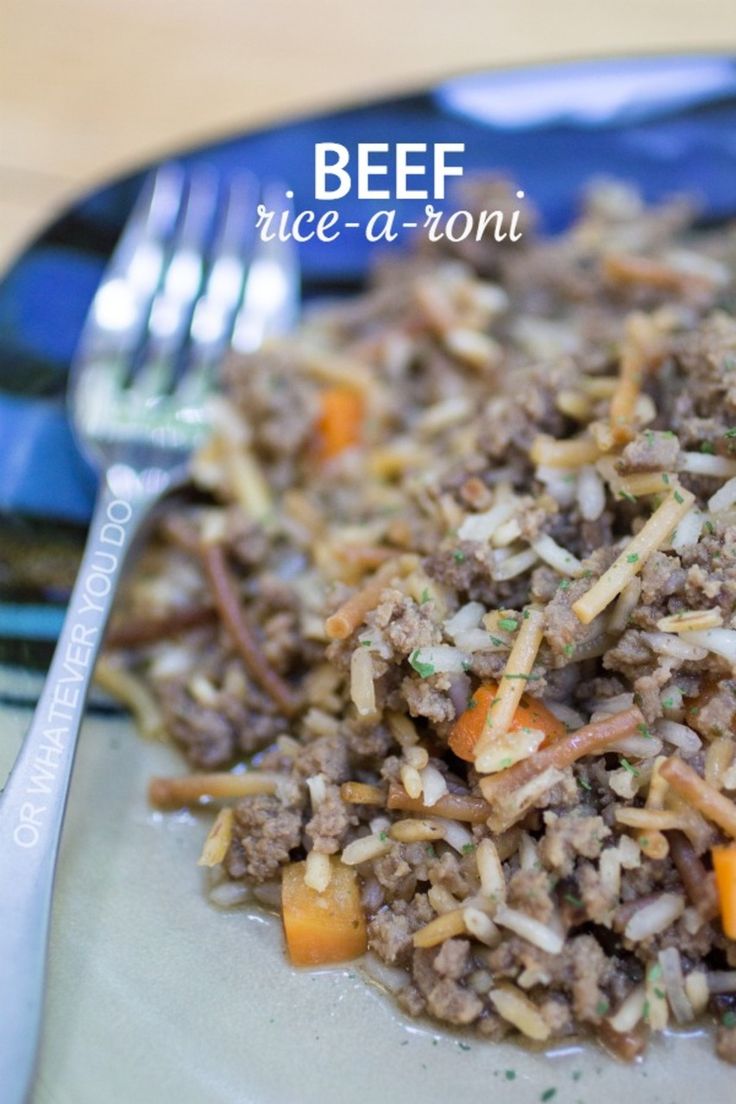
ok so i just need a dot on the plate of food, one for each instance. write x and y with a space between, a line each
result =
425 779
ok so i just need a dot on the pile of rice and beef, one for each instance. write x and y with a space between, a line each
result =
448 631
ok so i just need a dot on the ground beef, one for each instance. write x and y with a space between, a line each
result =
391 929
246 540
544 583
446 999
591 971
405 624
368 741
395 874
661 577
207 738
410 1000
264 834
648 689
453 959
629 654
563 632
466 567
706 356
424 700
715 713
487 665
529 891
597 902
330 824
446 871
327 755
711 571
257 384
650 451
570 836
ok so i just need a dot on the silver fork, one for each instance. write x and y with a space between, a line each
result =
176 295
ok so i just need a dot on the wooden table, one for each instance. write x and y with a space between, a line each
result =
90 87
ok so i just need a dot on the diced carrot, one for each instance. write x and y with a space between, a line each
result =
340 421
531 713
322 927
724 864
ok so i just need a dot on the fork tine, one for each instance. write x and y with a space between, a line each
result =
120 304
271 292
185 306
181 283
214 312
119 311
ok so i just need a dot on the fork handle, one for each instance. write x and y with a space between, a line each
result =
33 801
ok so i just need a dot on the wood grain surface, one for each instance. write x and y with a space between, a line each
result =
90 87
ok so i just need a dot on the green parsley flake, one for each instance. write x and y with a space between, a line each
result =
508 624
644 731
468 848
668 703
464 1046
472 704
510 1075
497 641
709 527
655 972
679 498
548 1094
424 670
646 1011
666 479
505 763
602 1006
431 851
729 1018
569 649
383 837
628 766
584 783
627 496
632 557
730 432
426 596
458 555
564 584
366 643
707 446
573 900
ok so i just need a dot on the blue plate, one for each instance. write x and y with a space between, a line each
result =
668 124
